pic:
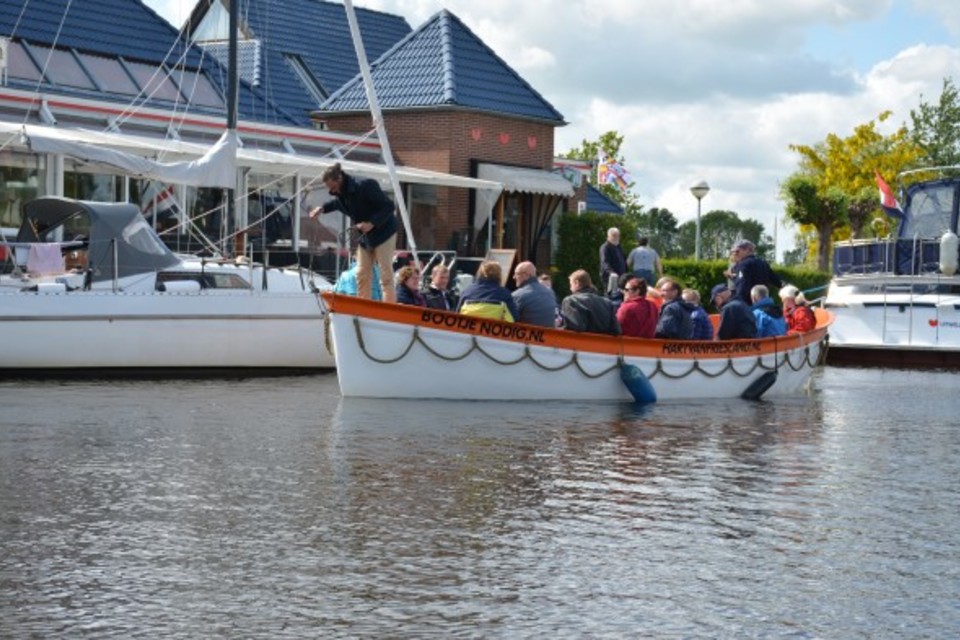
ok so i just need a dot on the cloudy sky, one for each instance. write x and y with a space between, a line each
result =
706 89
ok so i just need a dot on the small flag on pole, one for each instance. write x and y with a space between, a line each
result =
887 199
610 171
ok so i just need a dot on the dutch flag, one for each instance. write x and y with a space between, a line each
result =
887 199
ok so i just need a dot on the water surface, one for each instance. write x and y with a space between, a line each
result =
272 508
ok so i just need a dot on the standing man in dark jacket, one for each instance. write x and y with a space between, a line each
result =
586 310
750 271
736 318
675 322
536 304
372 214
612 260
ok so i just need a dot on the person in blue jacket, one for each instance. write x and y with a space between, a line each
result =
736 320
486 297
749 271
372 214
769 317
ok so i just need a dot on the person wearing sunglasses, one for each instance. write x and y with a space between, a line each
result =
637 315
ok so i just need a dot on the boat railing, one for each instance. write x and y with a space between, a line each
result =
904 257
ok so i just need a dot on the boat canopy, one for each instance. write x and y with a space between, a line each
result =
114 234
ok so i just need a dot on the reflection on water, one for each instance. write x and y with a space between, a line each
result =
273 508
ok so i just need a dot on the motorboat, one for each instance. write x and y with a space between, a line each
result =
89 288
387 350
896 298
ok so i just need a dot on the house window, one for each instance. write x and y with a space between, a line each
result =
23 177
197 88
154 81
61 67
20 65
110 75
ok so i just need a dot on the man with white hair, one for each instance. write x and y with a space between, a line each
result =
612 261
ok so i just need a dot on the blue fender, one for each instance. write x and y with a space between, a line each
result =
637 384
759 386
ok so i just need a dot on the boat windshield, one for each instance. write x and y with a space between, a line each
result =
930 212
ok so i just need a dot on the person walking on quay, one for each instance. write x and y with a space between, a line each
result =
373 215
644 261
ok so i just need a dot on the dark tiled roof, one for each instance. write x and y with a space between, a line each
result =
444 64
122 28
319 34
599 202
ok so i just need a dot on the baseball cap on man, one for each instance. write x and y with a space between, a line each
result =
718 289
743 244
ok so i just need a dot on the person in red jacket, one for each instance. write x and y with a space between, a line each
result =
637 315
800 317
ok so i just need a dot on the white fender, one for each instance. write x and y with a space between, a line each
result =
949 245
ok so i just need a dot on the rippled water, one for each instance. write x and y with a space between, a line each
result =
272 508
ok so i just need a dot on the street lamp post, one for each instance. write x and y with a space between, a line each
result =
699 190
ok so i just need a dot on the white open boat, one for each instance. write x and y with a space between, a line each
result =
394 351
129 304
897 299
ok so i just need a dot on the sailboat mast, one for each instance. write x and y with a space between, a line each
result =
379 124
232 96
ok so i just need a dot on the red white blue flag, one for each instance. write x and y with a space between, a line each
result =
887 200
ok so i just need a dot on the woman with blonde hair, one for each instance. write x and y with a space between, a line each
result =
486 297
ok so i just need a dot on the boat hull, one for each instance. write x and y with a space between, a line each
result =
392 351
98 332
902 321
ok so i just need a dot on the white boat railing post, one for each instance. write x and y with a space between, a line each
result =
381 128
116 265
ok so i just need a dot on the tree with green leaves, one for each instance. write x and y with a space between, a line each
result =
831 189
822 210
936 128
660 226
719 230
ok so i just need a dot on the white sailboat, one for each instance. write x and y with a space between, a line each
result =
92 290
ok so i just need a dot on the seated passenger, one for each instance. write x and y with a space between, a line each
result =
799 315
637 315
674 322
769 317
535 303
702 327
408 287
347 282
586 310
547 281
486 297
438 294
736 319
